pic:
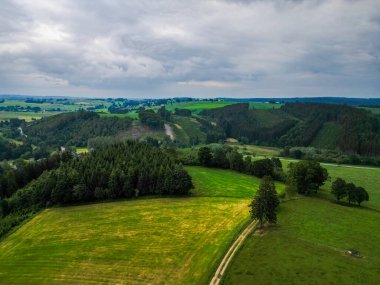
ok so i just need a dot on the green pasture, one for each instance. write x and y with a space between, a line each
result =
309 245
367 177
264 105
186 129
198 106
131 114
27 116
257 150
375 111
145 241
214 182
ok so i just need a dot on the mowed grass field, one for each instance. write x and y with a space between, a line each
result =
213 182
308 246
143 241
198 106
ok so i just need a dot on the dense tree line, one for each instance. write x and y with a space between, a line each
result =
74 128
20 109
128 169
228 158
150 118
18 175
182 112
297 124
329 155
343 190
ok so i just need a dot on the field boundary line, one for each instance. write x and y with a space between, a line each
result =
231 253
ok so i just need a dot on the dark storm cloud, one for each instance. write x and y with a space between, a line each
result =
190 48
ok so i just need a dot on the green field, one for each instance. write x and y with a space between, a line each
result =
186 130
327 136
198 106
27 116
375 111
213 182
258 150
143 241
367 177
47 108
264 105
131 114
309 247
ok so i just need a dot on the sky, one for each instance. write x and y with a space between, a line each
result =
167 48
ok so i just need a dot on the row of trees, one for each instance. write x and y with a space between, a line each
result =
123 170
343 190
229 158
305 177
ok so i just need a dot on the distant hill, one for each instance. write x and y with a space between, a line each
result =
302 124
74 128
330 100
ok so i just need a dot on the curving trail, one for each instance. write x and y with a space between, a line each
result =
231 253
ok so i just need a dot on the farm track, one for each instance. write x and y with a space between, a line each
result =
231 253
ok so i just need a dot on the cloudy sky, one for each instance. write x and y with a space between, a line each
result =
167 48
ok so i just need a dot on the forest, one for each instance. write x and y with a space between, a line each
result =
297 124
122 170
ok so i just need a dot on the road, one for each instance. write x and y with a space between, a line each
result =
231 253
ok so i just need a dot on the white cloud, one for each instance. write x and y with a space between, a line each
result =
161 48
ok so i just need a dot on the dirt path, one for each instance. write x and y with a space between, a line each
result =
169 131
231 253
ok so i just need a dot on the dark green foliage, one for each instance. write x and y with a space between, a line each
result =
306 176
229 158
297 124
205 156
265 202
340 189
122 170
12 178
258 126
74 128
151 118
236 161
182 112
263 167
164 114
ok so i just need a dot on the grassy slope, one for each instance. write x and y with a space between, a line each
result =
135 242
308 247
263 105
367 177
197 107
214 182
161 240
327 136
185 128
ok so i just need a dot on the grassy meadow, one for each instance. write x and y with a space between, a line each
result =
198 106
367 177
213 182
146 241
308 246
264 105
142 241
